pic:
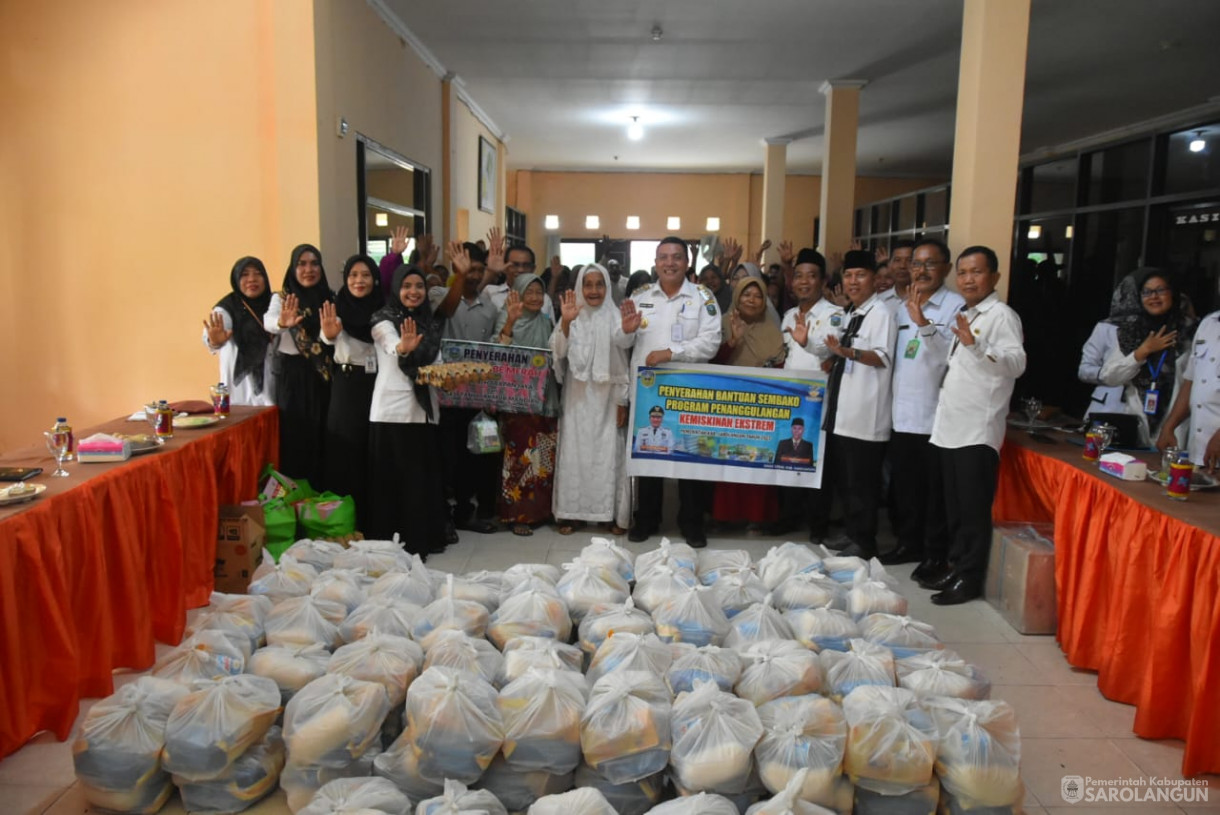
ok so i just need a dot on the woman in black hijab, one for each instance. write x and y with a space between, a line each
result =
302 363
234 330
406 489
347 326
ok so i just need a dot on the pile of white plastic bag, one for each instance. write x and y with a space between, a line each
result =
676 683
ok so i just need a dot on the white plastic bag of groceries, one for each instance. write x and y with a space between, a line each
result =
661 582
450 613
458 800
606 552
891 740
350 795
316 553
410 586
822 629
701 804
305 621
715 563
621 617
625 731
390 661
400 764
201 656
862 664
678 554
692 616
482 587
334 720
709 663
978 754
213 725
903 635
541 713
876 593
530 614
785 560
585 802
714 734
237 615
345 586
385 613
453 718
279 581
519 789
585 585
630 652
374 558
758 623
251 778
453 649
483 435
735 591
291 667
117 754
942 673
802 733
523 653
631 798
789 802
520 572
776 668
810 590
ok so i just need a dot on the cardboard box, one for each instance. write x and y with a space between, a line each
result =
239 547
1021 577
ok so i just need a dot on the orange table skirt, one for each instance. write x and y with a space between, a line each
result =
1138 591
109 560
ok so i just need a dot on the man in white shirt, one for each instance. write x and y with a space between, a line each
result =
1199 398
856 414
921 357
985 358
805 329
670 320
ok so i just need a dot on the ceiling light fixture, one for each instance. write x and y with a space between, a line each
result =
713 224
1197 145
1067 233
592 222
673 223
635 130
657 33
633 221
552 221
382 219
1035 232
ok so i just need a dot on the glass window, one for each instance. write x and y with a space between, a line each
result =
1192 160
881 218
907 210
863 227
1053 186
935 208
1119 173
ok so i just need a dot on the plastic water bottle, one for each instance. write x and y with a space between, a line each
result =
62 426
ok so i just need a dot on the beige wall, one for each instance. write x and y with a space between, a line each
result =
466 131
145 147
370 77
735 198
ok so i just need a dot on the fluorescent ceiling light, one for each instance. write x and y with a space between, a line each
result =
1035 232
635 130
673 222
1197 145
633 221
592 222
1067 233
382 219
713 224
552 222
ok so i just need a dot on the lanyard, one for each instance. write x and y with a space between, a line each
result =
1156 372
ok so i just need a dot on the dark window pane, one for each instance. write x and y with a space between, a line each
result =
1188 170
863 227
936 208
1191 240
1119 173
1053 186
881 218
907 209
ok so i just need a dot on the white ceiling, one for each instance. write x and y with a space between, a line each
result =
563 77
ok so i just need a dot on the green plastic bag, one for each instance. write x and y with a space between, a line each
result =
277 485
327 516
280 520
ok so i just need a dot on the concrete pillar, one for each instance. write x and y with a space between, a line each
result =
837 212
987 142
448 206
775 174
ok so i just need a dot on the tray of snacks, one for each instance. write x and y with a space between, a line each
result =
449 375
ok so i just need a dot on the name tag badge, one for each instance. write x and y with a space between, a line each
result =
675 332
1151 397
912 349
370 365
849 367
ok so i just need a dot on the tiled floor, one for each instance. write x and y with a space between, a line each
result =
1067 728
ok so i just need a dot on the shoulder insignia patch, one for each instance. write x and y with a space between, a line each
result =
711 309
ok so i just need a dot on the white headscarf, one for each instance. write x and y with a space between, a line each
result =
591 355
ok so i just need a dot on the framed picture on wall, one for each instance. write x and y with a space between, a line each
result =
488 172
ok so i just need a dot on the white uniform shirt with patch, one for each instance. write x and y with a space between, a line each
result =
823 318
921 357
688 324
1203 371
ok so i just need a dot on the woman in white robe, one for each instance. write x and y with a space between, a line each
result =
590 484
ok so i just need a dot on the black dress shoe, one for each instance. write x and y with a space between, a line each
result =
696 540
933 568
837 543
902 554
961 590
477 525
940 581
856 550
639 533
